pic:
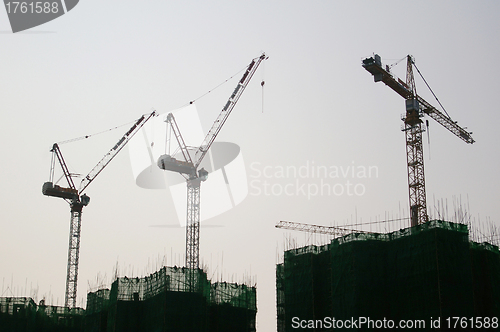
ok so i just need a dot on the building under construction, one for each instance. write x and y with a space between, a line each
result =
22 314
427 273
162 301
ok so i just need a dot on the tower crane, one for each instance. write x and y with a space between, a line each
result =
188 168
327 230
77 201
416 108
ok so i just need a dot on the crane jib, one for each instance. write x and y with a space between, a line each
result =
224 114
134 126
117 148
247 72
236 91
374 66
131 130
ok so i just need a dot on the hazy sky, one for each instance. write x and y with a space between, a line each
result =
107 62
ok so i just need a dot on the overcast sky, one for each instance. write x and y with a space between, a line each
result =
104 64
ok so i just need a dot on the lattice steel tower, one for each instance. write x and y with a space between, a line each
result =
416 108
188 168
77 201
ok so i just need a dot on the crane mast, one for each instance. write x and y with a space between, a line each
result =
416 108
193 181
77 201
414 152
189 169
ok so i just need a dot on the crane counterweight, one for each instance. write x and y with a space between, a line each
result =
49 189
169 163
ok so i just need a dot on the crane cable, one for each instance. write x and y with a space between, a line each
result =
98 133
374 222
430 89
397 62
263 73
206 93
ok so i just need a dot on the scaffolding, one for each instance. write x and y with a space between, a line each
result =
96 314
429 270
22 314
163 301
232 307
17 314
239 296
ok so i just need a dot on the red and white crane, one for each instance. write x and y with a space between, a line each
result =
77 201
188 168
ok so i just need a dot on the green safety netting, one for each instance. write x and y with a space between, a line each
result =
161 301
22 314
418 273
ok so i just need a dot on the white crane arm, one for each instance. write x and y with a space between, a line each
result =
226 110
114 151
